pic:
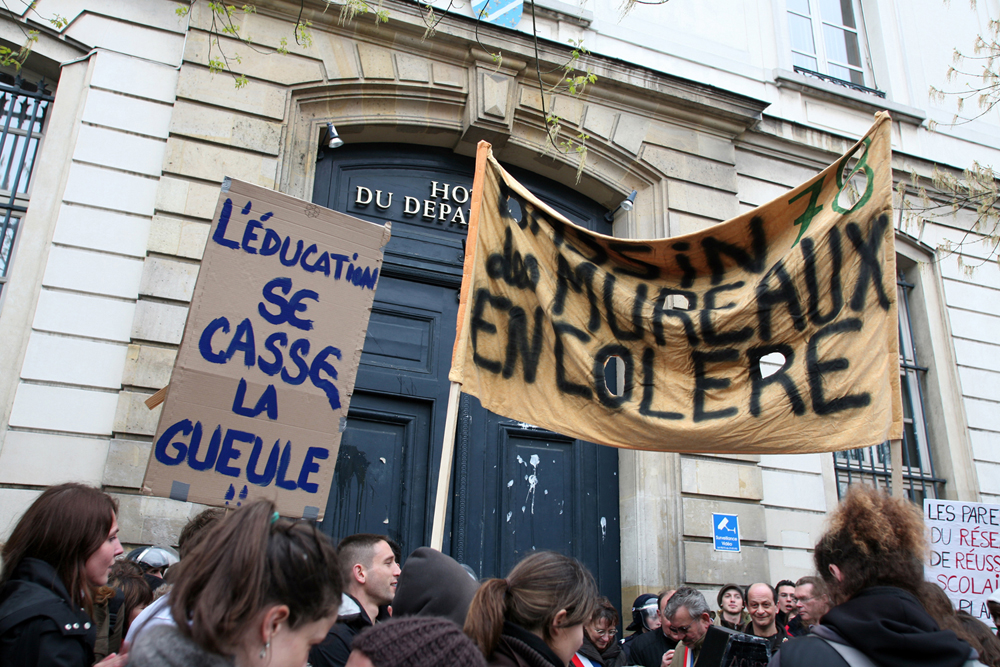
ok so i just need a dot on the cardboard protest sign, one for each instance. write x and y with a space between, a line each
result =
261 385
965 552
810 275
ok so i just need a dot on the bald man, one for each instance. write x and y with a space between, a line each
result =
762 603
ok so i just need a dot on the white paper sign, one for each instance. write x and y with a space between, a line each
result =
965 552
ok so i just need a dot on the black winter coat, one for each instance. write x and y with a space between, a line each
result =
520 648
888 625
608 658
39 624
352 618
648 649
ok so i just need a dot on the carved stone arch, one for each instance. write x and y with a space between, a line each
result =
455 103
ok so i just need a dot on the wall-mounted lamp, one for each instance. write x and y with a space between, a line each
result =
626 205
333 139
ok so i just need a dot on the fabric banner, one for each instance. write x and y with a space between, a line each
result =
807 279
263 379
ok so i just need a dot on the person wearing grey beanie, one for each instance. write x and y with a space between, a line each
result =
416 641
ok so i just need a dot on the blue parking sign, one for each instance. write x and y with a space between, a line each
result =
726 531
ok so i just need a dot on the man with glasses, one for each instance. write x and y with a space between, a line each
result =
812 600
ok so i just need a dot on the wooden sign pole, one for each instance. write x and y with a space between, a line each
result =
444 472
896 455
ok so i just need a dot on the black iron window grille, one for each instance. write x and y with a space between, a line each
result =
873 465
840 82
25 106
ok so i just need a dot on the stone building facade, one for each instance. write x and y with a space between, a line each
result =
698 107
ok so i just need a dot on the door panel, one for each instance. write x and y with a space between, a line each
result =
376 477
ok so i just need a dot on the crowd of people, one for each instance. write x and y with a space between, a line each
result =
249 588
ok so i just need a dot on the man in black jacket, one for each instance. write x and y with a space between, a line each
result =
648 649
762 602
370 575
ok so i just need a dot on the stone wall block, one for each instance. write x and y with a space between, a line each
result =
684 167
148 366
168 279
490 112
530 98
129 517
47 458
600 121
132 415
200 85
376 62
707 566
159 322
340 56
412 68
767 168
225 127
718 478
570 109
689 141
126 464
181 238
791 564
14 503
630 132
494 94
212 163
706 202
184 197
698 518
287 69
448 75
150 520
797 530
682 223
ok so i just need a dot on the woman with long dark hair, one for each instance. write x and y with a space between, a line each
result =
534 617
56 558
257 590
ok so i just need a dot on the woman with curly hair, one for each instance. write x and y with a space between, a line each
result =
872 560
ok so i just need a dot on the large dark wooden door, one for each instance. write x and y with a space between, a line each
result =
515 487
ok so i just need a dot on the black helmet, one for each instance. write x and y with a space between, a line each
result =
643 606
